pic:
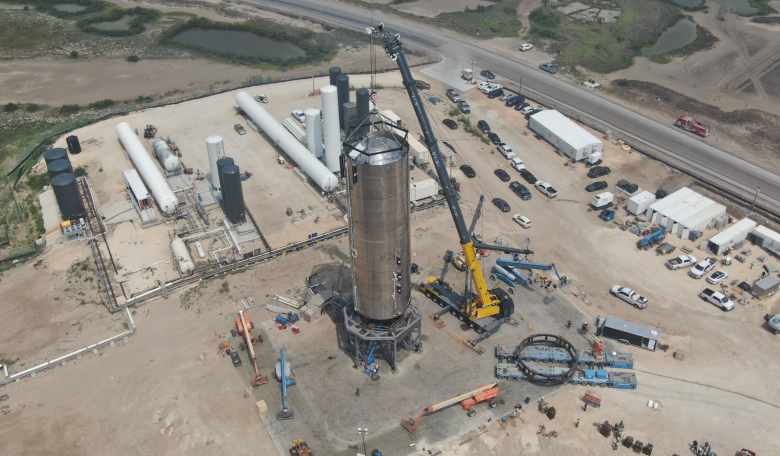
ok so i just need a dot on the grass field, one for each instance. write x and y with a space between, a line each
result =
604 48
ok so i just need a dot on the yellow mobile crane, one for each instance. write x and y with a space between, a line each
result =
468 307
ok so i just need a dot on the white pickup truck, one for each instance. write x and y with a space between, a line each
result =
682 261
630 296
717 298
704 266
506 151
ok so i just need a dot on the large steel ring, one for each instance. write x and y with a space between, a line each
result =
547 340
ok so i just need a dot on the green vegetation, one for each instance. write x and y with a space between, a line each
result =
453 112
80 171
67 109
310 42
469 128
101 104
132 58
700 7
74 54
36 182
498 20
762 6
47 6
22 35
615 46
32 107
774 20
141 17
10 107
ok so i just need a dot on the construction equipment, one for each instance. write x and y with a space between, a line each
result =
150 131
485 393
688 123
300 448
468 307
372 368
597 349
285 413
244 328
651 239
505 271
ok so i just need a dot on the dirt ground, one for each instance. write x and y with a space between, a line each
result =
432 8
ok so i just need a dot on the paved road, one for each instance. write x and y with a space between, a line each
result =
715 164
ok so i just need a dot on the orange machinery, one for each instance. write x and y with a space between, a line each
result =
598 345
485 393
244 328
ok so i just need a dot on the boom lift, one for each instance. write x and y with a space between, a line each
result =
243 327
597 348
468 307
485 393
285 413
505 271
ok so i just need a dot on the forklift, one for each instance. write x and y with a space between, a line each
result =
469 307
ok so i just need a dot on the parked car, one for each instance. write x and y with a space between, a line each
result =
448 145
596 186
506 151
453 95
718 277
518 165
705 266
487 74
496 93
503 175
630 296
494 138
521 106
548 67
514 100
234 357
773 321
451 124
422 85
547 189
506 96
599 171
527 110
261 99
526 47
239 129
522 220
468 171
502 205
528 176
298 115
717 298
682 261
535 110
491 87
483 126
520 190
464 107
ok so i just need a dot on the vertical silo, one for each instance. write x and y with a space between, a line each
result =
362 97
58 153
221 163
66 190
378 188
334 72
216 150
73 144
330 127
232 194
342 85
58 167
314 131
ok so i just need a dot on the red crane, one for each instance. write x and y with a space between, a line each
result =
485 393
244 328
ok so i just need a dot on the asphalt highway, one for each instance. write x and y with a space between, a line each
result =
691 152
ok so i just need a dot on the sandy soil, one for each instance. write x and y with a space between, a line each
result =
432 8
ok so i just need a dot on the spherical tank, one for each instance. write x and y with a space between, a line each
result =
183 257
58 167
216 150
165 154
378 188
57 153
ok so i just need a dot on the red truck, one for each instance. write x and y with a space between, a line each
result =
688 123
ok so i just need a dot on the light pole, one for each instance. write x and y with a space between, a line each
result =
758 189
472 69
363 432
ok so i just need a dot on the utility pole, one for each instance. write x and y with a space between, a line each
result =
758 190
520 89
363 432
472 69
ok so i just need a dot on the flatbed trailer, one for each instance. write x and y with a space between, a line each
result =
585 377
442 294
560 355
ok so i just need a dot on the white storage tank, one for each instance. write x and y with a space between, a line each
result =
166 155
331 130
216 150
638 204
182 255
199 248
314 131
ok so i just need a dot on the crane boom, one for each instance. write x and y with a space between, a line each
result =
486 304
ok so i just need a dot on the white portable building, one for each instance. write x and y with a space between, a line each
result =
418 151
565 135
767 239
686 209
638 204
423 189
731 235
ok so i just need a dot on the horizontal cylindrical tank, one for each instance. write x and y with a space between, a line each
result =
166 155
331 131
199 248
232 194
378 189
182 255
216 150
314 131
221 163
154 179
58 153
59 167
294 149
66 191
73 144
